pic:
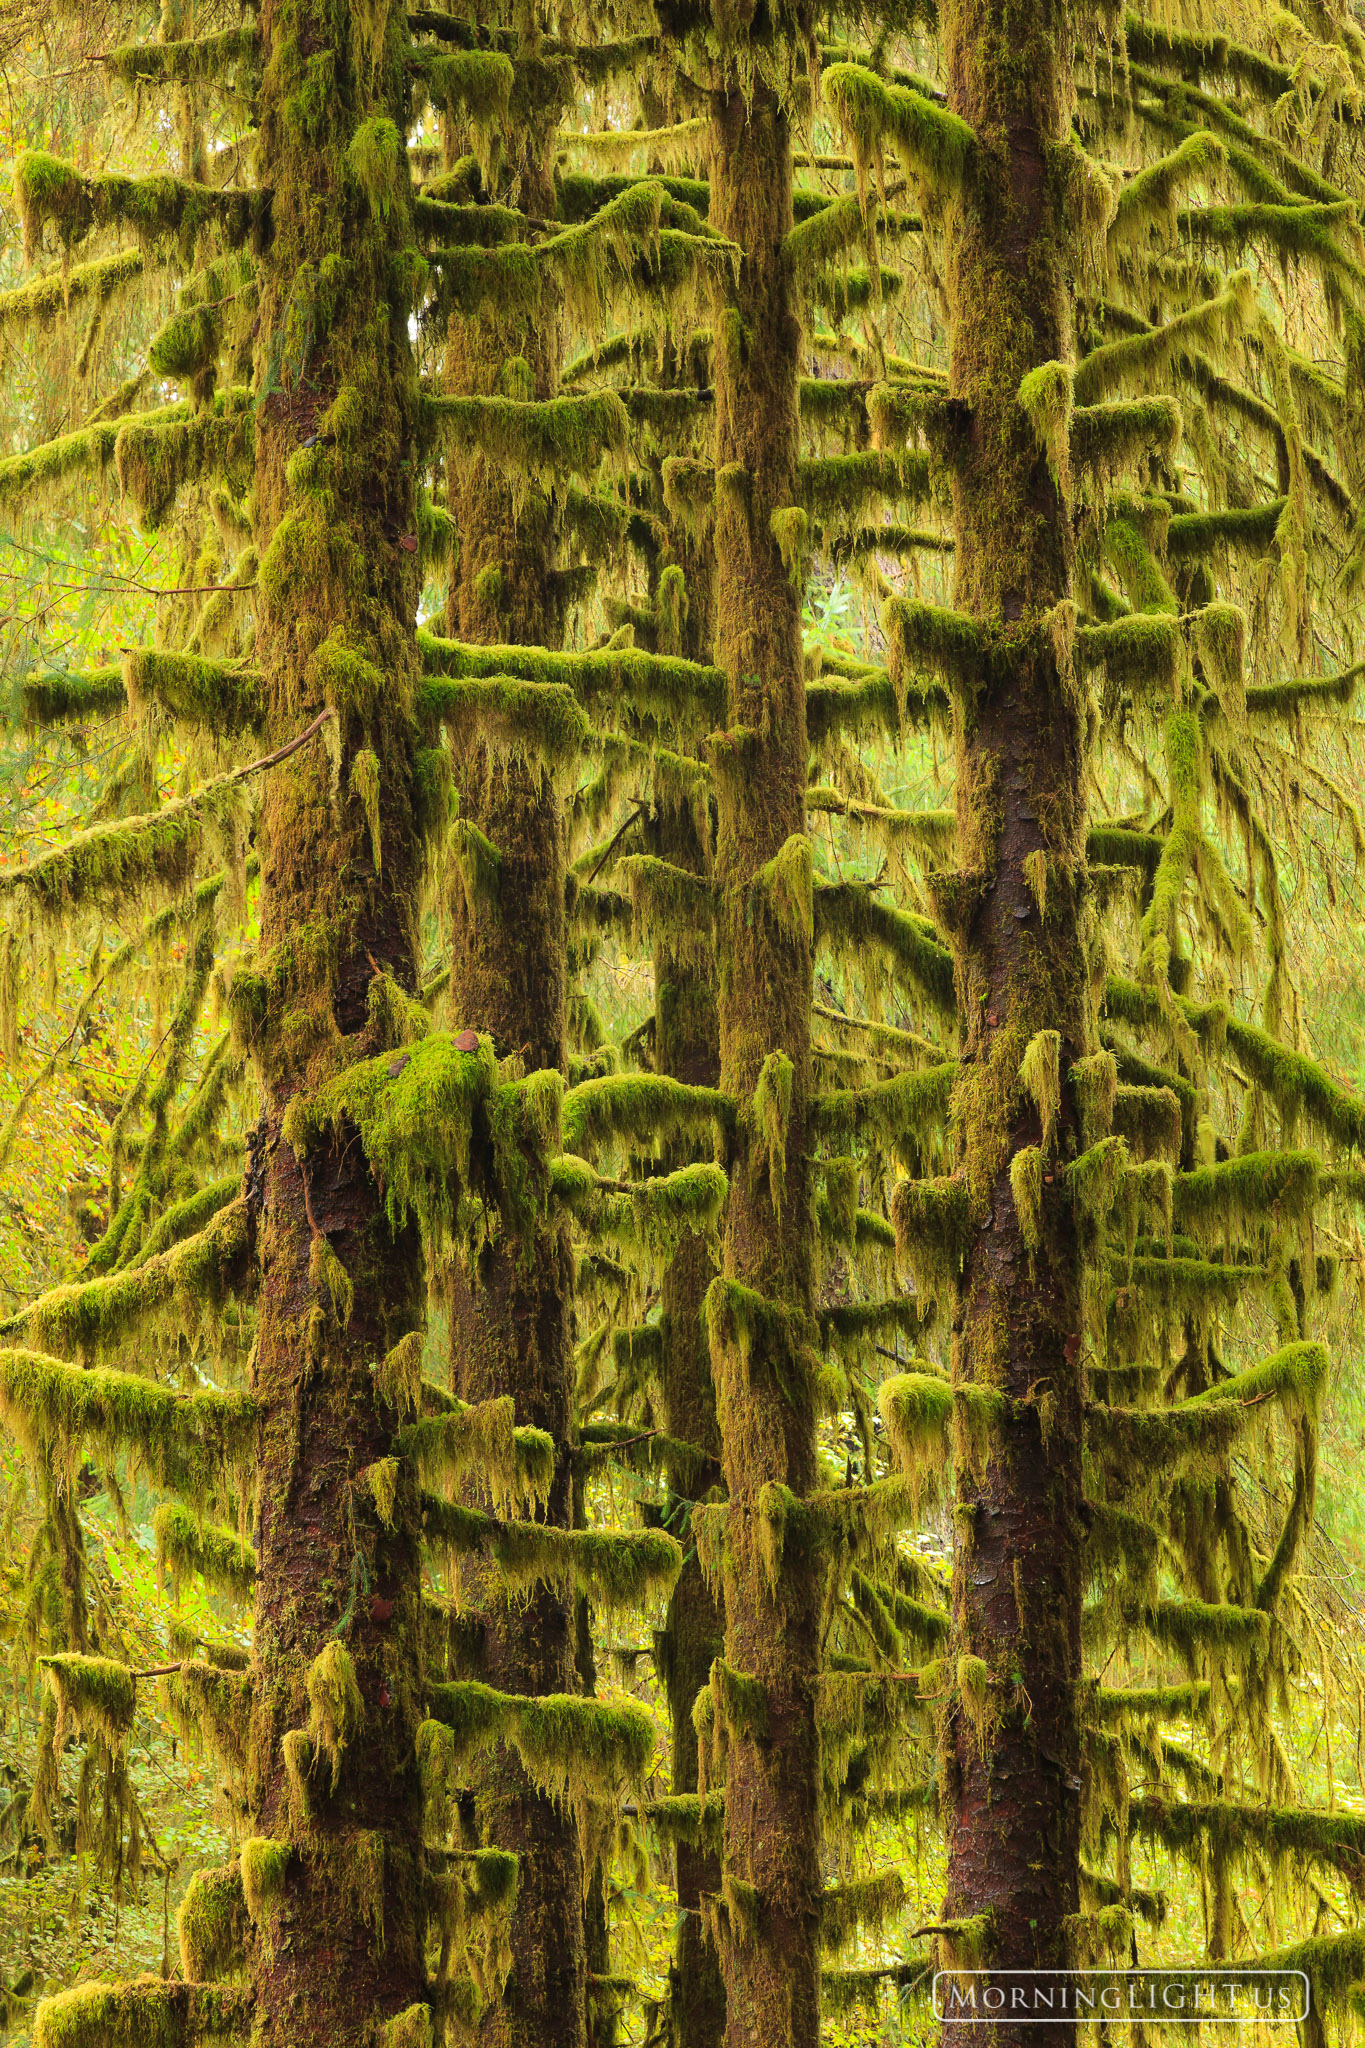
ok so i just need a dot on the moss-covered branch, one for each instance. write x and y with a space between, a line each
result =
667 687
646 1218
180 1292
141 2012
850 919
933 145
186 1440
643 1109
222 698
157 209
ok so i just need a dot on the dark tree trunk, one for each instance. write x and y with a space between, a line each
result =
766 1403
339 1949
1013 1770
514 1334
687 1046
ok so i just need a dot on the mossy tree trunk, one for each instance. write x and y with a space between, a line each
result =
513 1333
686 1045
763 1383
340 1947
1013 1778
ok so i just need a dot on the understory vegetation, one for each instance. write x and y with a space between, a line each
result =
681 967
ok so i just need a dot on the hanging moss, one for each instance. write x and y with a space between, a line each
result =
850 920
1297 1085
516 719
411 2028
865 1904
264 1866
145 2012
1125 1706
572 1747
917 1410
212 1923
69 696
1107 440
223 1560
934 146
157 209
154 460
43 300
201 60
1139 357
95 1693
174 1293
687 694
538 439
436 1124
647 1217
931 1224
884 1113
1241 1194
336 1710
482 1438
187 1440
1142 653
214 1704
87 452
643 1108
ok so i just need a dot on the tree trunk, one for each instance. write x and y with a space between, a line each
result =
339 1949
514 1333
763 1384
686 1046
1013 1765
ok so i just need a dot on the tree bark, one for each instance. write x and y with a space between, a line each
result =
1013 1768
513 1333
686 1045
340 1950
772 1840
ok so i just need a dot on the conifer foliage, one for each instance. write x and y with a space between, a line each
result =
945 1260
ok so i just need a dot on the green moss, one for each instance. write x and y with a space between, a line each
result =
411 2028
156 459
1142 654
931 1224
641 1109
212 1923
207 61
162 1294
885 1113
264 1866
511 1462
572 1747
1108 439
646 1217
43 300
186 1440
613 1568
438 1126
917 1410
1260 1190
934 146
862 1905
69 696
687 694
544 439
336 1710
1138 358
157 209
851 922
95 1693
145 2012
515 718
225 1562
